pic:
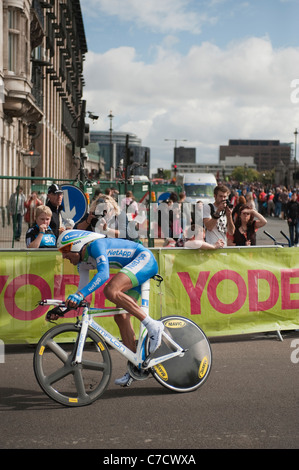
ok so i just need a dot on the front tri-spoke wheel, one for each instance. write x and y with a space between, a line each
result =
60 377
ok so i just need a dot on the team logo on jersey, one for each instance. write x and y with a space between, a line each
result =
120 253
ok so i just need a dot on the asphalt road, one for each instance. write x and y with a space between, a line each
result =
250 401
274 226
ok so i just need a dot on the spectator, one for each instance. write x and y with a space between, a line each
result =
240 203
55 196
270 204
108 192
195 239
175 216
247 224
234 196
96 193
254 197
42 197
106 217
185 209
68 224
164 226
292 216
262 202
243 192
250 200
40 235
169 218
277 202
129 205
197 214
217 217
16 207
110 220
113 192
105 209
31 204
284 200
182 197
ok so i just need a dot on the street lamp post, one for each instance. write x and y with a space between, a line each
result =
295 150
112 163
82 138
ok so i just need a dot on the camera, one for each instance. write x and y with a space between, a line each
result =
99 213
101 208
228 204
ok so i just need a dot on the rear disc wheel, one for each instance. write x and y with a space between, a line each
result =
188 372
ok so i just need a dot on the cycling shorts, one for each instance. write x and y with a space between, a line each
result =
141 268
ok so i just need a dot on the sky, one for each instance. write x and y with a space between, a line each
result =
195 72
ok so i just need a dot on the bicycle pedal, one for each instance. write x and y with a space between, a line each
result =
129 383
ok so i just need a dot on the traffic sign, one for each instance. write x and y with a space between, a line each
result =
163 196
74 203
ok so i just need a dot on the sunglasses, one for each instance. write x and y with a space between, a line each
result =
66 249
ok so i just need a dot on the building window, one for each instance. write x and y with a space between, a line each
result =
13 39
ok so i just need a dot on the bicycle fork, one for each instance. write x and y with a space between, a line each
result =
81 339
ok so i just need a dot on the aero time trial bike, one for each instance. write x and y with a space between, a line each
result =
72 362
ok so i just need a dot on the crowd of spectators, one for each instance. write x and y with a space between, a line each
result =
273 201
249 207
270 201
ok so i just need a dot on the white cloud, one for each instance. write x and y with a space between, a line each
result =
161 16
207 96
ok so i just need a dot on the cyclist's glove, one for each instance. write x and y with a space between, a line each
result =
75 298
55 313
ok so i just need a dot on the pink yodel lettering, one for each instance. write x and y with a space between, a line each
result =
12 289
216 303
3 280
289 301
194 292
254 276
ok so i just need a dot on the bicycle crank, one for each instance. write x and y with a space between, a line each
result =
137 374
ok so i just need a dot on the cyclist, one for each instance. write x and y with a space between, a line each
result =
89 250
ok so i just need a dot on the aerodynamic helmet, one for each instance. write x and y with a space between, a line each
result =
74 240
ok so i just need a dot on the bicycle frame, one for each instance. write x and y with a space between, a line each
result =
138 359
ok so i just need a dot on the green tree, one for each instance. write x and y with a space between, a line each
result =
241 174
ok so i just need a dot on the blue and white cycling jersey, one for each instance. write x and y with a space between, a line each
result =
134 259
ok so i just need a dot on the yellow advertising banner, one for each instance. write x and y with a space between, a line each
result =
233 291
230 291
26 277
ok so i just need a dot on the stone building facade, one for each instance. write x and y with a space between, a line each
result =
267 154
42 48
